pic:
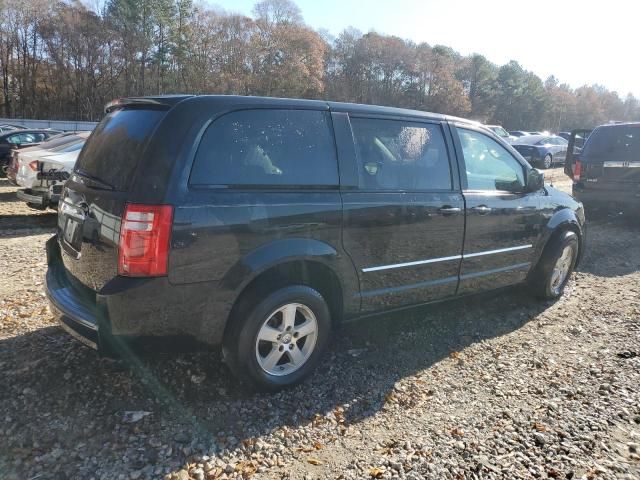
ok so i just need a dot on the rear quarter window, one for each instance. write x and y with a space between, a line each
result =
113 150
267 147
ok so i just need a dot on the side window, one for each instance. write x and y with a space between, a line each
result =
399 155
22 138
489 165
267 148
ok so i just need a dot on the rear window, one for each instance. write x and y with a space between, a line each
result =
614 143
56 143
113 150
267 148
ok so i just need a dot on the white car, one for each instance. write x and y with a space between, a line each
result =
43 177
501 132
58 144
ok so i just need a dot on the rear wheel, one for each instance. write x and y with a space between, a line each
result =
547 161
279 340
556 265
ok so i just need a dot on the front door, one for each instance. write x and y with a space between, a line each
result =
503 222
403 221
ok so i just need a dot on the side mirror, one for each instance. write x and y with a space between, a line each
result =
535 180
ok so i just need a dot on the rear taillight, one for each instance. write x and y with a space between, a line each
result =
144 240
577 170
34 165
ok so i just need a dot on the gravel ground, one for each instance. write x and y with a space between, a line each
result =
497 386
14 213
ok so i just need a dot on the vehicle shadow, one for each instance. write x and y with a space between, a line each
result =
8 197
61 391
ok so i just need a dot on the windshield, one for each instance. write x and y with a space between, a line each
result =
501 132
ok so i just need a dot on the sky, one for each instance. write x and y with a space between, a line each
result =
579 42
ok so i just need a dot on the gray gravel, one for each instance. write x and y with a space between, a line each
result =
497 386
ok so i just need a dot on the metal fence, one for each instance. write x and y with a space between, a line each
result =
55 124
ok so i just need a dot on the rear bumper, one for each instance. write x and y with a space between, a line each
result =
41 198
132 307
603 198
76 313
28 196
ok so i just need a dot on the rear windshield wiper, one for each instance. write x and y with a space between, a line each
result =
99 183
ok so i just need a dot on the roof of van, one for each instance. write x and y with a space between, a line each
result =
621 124
171 100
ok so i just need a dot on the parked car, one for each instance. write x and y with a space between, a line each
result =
579 139
518 133
606 171
8 127
260 223
43 178
501 132
49 147
20 139
542 151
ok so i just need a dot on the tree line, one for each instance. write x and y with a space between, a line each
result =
67 59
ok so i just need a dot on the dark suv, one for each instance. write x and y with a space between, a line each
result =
606 171
259 223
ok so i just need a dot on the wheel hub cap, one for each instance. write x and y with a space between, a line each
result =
561 269
286 339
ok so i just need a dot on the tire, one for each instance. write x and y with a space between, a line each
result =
555 266
547 161
250 346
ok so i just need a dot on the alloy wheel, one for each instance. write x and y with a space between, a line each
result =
286 339
561 269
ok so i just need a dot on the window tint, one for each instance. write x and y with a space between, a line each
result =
267 147
489 165
616 143
397 155
114 148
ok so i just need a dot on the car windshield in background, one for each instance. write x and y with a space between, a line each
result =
530 140
501 132
112 152
617 142
71 147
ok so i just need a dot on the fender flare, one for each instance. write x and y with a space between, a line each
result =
561 220
285 250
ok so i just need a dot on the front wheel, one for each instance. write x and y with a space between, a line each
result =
547 162
556 265
279 340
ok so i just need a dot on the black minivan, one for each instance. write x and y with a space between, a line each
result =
606 170
260 223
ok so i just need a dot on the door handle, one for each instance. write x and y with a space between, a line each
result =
482 209
447 210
